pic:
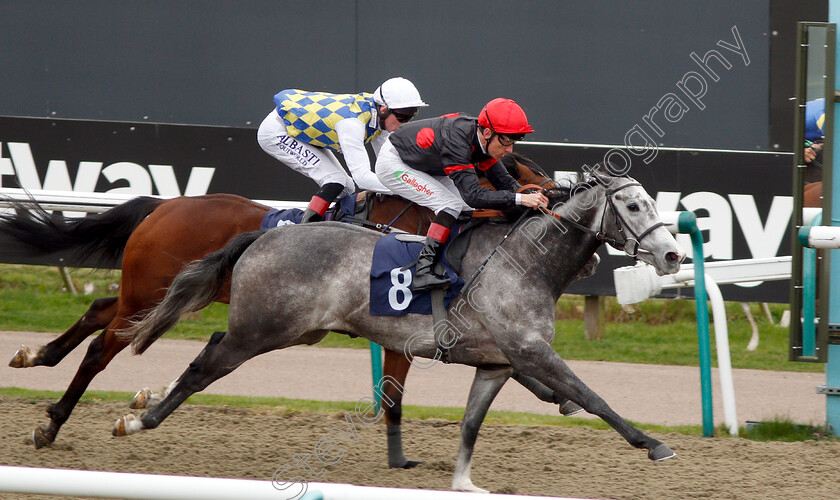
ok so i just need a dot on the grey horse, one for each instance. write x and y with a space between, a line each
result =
292 285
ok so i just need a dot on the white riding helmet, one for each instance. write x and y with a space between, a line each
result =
398 93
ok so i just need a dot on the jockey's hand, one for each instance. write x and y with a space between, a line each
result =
810 154
534 200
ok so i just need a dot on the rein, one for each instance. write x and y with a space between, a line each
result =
387 228
620 222
484 264
486 213
515 225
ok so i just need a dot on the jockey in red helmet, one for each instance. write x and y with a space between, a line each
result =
504 116
432 162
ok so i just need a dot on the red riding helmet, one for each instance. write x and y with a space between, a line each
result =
504 116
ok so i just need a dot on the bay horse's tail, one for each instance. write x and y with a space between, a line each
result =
194 288
101 235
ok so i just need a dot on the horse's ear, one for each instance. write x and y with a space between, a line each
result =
584 175
603 171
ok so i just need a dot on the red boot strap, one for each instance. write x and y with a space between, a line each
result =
319 205
438 232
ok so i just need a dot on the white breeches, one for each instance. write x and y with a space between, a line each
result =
437 193
319 164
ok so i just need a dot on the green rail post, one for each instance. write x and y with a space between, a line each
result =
687 223
376 370
809 290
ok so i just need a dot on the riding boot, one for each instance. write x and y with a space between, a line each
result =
320 202
311 216
425 277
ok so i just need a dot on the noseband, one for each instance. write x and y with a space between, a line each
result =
619 221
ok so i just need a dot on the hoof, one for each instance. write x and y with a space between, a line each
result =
23 358
467 486
661 453
569 408
408 464
126 425
141 399
40 438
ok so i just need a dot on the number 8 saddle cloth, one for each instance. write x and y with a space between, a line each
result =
390 280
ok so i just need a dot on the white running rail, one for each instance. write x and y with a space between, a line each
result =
98 484
72 201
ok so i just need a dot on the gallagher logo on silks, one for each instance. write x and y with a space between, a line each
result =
410 180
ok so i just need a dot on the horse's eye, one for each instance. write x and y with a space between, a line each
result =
633 207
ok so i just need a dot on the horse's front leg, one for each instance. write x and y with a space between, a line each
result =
487 383
537 359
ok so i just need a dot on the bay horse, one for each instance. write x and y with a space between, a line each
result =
291 285
812 195
156 239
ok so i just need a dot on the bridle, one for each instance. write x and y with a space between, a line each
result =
601 235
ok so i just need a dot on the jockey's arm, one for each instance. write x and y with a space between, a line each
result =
476 196
500 178
351 138
379 141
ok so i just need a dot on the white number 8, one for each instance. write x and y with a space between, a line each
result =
400 281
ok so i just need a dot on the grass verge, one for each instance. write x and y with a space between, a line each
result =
652 332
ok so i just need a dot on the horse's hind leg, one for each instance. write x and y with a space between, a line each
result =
396 366
486 385
100 352
540 361
220 356
146 398
544 393
97 317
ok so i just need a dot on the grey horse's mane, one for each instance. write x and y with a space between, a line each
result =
585 179
580 181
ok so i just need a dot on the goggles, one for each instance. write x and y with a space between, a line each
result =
404 115
509 140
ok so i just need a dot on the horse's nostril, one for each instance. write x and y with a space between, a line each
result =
672 257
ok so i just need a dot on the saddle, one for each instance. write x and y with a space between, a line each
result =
347 209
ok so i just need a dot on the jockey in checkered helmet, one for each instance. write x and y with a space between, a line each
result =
306 129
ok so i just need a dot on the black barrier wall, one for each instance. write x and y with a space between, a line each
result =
112 81
743 203
742 199
585 72
142 159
